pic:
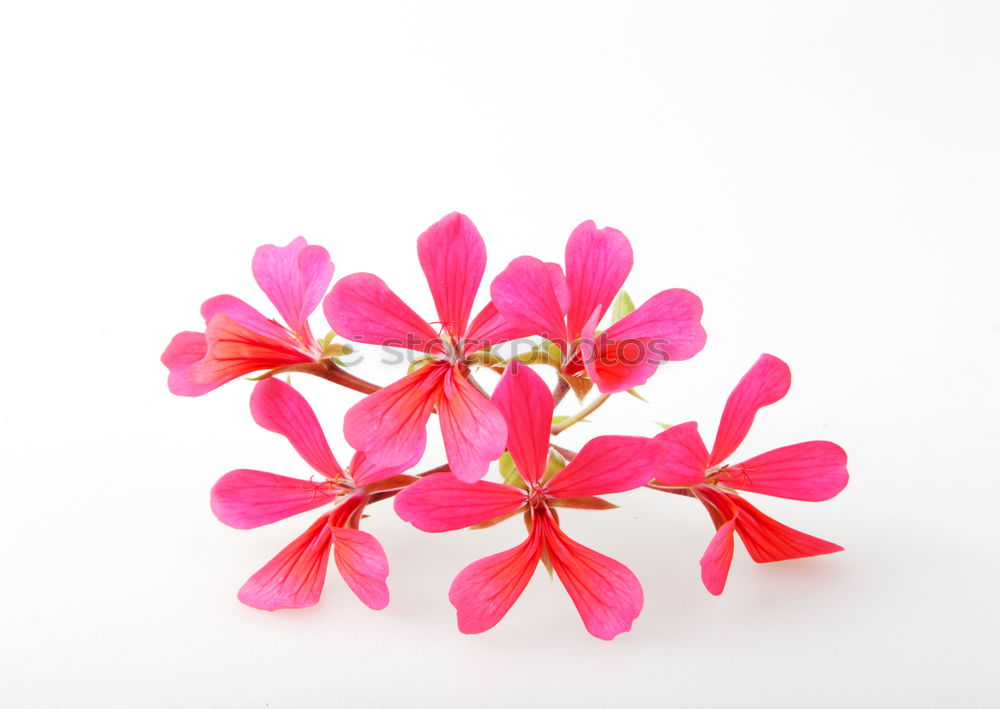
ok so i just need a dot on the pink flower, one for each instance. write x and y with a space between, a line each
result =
390 425
245 499
539 299
238 339
816 470
606 594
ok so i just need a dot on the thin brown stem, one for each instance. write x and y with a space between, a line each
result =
686 492
331 371
559 393
580 415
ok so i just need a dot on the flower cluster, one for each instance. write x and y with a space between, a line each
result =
561 309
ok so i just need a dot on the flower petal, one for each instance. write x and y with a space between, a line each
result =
608 464
717 559
453 256
247 316
186 349
245 499
605 592
441 502
364 472
489 328
278 407
769 540
526 405
295 577
294 277
671 319
484 591
234 350
812 471
389 426
597 263
362 562
687 456
360 307
473 429
766 382
528 294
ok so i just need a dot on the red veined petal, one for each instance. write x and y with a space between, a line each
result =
246 315
440 502
766 382
530 295
717 559
526 405
670 320
364 472
234 351
687 456
812 471
597 263
769 540
294 277
186 349
363 564
473 429
608 464
278 407
360 307
453 256
245 499
295 577
484 591
489 328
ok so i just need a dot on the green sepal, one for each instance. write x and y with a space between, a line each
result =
623 306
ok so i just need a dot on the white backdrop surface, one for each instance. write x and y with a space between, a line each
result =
823 175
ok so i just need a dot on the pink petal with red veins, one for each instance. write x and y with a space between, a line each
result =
186 349
473 429
526 405
362 562
687 456
247 316
484 591
608 464
812 471
360 307
294 277
717 559
235 351
528 294
277 407
769 540
597 263
671 319
453 256
766 382
364 472
294 578
605 592
245 499
389 426
489 328
441 503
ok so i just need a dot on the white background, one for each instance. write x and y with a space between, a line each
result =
824 175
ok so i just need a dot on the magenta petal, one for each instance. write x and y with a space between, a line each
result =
294 277
473 429
769 540
527 295
362 562
184 350
441 502
245 499
670 321
605 592
247 316
597 263
294 578
390 426
360 307
277 407
687 456
484 591
717 559
608 464
365 472
812 471
489 328
453 256
234 350
766 382
526 405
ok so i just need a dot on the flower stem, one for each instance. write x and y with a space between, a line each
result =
580 415
331 371
559 393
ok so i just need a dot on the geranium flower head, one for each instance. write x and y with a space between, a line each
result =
246 499
390 425
540 299
812 471
606 593
238 339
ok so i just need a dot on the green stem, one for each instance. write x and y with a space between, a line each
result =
580 415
